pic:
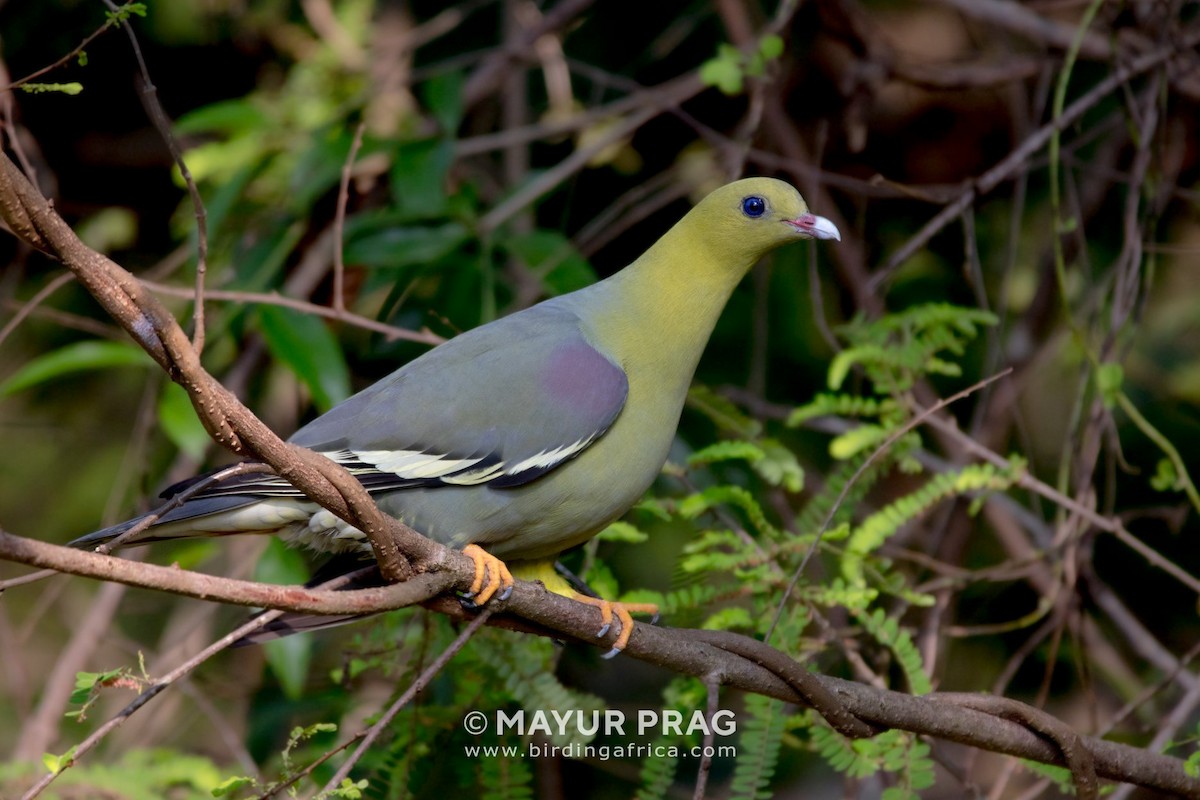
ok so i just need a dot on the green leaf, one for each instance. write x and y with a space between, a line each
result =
771 47
622 532
86 682
419 177
601 580
350 790
779 466
727 416
317 170
71 88
725 451
108 229
1165 478
290 656
231 785
301 734
306 345
220 161
840 367
1061 776
383 241
57 763
723 74
281 565
756 66
77 357
654 507
177 419
554 258
1192 765
728 618
124 12
230 117
1109 378
443 94
856 440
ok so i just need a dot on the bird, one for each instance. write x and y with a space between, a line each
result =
526 436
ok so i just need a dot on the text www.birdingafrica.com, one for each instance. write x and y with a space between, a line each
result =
577 724
599 752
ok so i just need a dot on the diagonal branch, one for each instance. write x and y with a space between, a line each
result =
33 219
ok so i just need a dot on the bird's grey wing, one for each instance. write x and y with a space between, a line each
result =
499 406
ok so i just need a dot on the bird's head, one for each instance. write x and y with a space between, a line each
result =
748 218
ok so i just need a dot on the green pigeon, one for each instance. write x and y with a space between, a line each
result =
528 435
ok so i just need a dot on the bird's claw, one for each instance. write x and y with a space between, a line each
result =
491 576
623 613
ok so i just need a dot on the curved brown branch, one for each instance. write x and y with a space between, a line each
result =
741 663
225 590
230 423
1076 755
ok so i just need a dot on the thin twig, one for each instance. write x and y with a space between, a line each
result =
918 419
60 62
162 124
1094 518
712 685
28 306
1029 145
419 684
149 694
668 95
390 332
339 222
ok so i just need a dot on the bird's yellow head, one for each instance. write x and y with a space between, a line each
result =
692 269
751 217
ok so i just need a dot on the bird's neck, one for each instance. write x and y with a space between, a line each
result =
661 309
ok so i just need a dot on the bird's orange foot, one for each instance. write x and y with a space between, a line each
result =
622 611
491 575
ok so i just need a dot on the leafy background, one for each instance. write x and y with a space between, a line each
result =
935 570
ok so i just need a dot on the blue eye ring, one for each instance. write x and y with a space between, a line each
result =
754 206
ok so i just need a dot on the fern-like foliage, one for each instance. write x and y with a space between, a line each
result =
659 768
880 526
761 728
903 757
887 631
506 777
832 404
524 667
742 555
897 349
657 774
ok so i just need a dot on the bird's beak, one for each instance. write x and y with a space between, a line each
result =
816 227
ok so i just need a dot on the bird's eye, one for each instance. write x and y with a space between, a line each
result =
754 206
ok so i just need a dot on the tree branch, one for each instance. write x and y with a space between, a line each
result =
741 662
32 218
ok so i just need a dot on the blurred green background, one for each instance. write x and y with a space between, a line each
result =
513 150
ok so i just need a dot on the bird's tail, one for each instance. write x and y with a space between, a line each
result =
206 516
106 535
